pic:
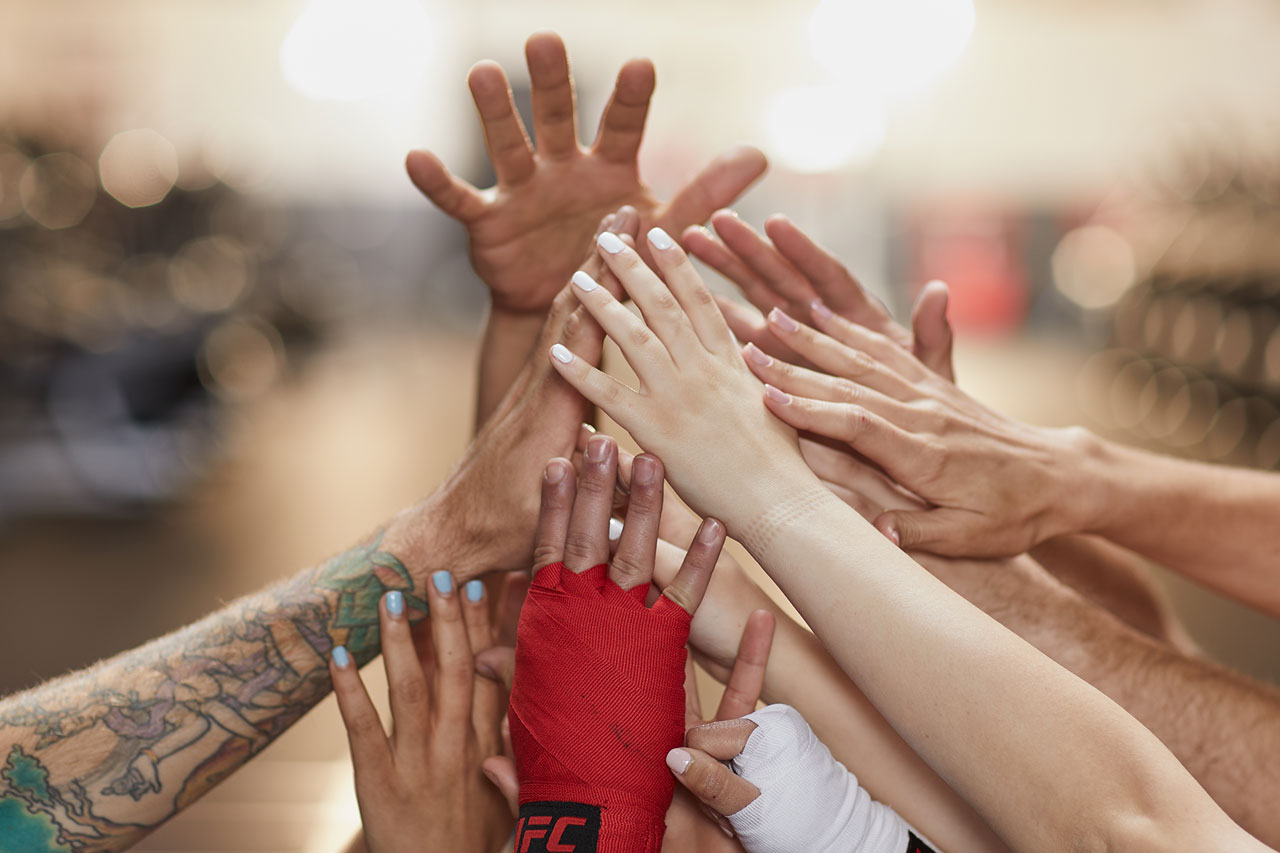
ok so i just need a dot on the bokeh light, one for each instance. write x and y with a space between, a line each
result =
822 128
58 190
138 167
1093 266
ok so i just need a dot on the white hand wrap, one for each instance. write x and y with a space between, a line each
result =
809 802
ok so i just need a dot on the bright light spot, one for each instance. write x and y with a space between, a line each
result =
58 190
209 273
899 47
138 167
349 50
241 359
1093 266
822 128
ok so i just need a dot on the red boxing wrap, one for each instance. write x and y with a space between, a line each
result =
597 702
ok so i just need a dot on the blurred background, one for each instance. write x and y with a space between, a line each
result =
233 337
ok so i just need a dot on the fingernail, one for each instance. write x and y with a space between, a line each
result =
660 239
584 282
820 309
610 243
589 427
395 603
894 536
555 472
597 448
475 590
711 530
443 582
644 471
782 398
756 356
561 353
679 760
615 530
340 657
780 318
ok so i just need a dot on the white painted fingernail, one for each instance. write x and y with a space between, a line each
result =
615 530
584 282
561 354
679 760
660 239
610 243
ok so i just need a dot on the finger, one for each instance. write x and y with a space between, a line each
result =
598 388
945 531
931 332
554 115
854 473
749 326
841 332
802 382
455 665
858 502
622 125
643 349
501 771
718 185
679 523
711 782
504 133
692 701
515 586
498 664
663 313
626 222
454 196
486 697
865 357
898 452
763 259
633 561
696 301
586 543
370 751
407 687
723 740
709 249
558 489
691 581
746 681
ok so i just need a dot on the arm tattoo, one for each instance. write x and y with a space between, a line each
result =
95 760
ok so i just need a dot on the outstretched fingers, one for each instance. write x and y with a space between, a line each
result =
691 581
696 302
746 681
633 562
558 490
454 196
719 184
370 749
622 125
850 351
504 133
554 113
763 258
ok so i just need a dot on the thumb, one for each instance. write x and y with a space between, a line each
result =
501 771
938 530
931 331
711 781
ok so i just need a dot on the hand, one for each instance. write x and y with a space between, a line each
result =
422 788
994 487
698 405
788 271
527 234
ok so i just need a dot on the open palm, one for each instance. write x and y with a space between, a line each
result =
528 232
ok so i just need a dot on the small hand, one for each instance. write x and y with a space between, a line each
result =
527 233
422 788
787 270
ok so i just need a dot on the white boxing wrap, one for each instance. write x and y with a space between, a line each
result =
809 802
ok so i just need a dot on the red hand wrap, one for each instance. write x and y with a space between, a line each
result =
597 702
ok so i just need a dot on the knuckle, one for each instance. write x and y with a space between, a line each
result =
640 336
410 691
364 726
579 546
666 302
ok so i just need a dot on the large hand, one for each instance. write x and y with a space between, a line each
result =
527 233
789 271
995 487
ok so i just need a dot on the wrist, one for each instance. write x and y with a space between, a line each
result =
438 534
774 505
1094 480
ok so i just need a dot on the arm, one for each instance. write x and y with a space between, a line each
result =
996 719
96 759
527 234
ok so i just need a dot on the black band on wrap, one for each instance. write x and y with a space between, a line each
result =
554 827
914 844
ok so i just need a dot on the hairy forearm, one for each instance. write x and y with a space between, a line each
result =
97 759
505 347
1215 525
975 701
1223 727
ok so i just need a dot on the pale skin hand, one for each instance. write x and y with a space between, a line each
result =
998 720
527 234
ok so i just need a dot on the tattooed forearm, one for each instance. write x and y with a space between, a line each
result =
95 760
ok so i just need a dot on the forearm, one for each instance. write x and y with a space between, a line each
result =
506 346
99 758
1215 525
975 701
1221 726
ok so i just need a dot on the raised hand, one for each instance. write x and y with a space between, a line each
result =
527 233
788 271
423 788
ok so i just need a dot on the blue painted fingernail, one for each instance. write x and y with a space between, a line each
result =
340 657
475 590
395 603
443 581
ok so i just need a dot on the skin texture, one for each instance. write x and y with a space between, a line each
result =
527 233
422 787
980 705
